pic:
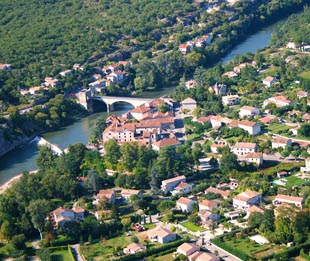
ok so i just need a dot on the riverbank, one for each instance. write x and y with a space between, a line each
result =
9 183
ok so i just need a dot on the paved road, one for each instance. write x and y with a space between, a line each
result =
76 252
222 253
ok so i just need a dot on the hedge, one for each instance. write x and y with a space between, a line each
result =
153 250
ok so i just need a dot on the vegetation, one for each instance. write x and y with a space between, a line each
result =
191 226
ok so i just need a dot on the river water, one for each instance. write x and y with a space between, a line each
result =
24 158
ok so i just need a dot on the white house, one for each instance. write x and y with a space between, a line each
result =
183 187
168 185
297 201
207 215
109 194
187 249
251 127
208 205
184 48
65 73
189 104
248 111
5 67
247 199
279 101
269 81
185 204
278 142
202 256
230 100
306 169
133 248
127 193
302 94
61 215
255 157
158 145
243 148
161 235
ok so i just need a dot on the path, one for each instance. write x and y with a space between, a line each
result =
76 252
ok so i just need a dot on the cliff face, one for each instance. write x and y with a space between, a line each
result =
9 141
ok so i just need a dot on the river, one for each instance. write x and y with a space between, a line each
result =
23 158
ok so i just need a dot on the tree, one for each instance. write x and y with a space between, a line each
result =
112 153
44 254
46 158
38 210
228 162
19 242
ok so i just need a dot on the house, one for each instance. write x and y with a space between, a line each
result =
184 48
187 249
161 235
202 41
61 215
189 104
279 101
208 205
280 198
65 73
230 100
190 84
252 128
268 119
237 69
269 81
5 67
230 74
223 193
183 187
185 204
255 209
248 111
77 66
243 148
255 157
291 45
51 82
169 184
133 248
306 117
202 256
165 142
127 193
247 199
278 142
301 94
218 89
214 147
233 184
216 121
306 169
109 194
282 174
207 215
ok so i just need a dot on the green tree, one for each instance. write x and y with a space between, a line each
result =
38 210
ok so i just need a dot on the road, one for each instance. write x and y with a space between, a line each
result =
76 252
222 253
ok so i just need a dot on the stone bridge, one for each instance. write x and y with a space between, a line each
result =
110 100
85 98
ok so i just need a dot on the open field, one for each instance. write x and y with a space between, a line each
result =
192 227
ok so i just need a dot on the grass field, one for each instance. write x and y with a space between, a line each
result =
277 128
192 227
293 181
305 75
167 257
61 255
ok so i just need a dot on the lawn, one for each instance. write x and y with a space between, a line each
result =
277 128
305 75
293 181
167 257
61 255
191 226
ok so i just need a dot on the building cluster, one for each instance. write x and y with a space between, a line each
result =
198 43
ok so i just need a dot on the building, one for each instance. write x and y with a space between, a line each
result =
61 215
280 199
65 73
202 256
218 89
206 216
184 48
215 147
109 194
190 84
279 101
278 142
302 94
127 193
252 128
133 248
183 187
169 184
237 69
268 119
223 193
230 74
230 100
255 158
269 81
248 111
247 199
5 67
306 169
158 145
161 235
208 205
189 104
243 148
185 204
255 209
187 249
